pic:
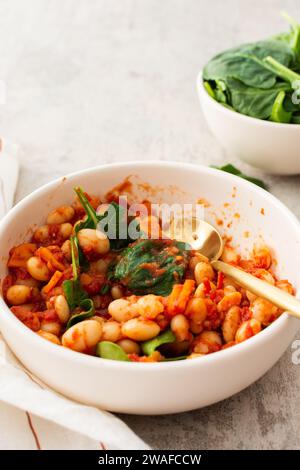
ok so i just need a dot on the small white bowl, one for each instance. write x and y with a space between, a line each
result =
171 387
269 146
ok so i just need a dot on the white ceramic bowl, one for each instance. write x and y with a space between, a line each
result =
159 388
271 147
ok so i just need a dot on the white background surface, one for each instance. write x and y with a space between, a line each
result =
99 81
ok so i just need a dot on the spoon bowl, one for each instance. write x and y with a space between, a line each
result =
206 239
200 235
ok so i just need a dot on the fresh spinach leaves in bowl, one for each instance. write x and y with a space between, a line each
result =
261 80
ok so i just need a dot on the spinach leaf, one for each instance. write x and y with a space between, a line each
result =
74 293
88 311
279 114
113 222
76 296
220 91
234 171
72 288
82 261
151 266
245 63
209 90
148 347
281 70
91 220
254 102
113 351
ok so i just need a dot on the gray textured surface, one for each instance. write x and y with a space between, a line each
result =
110 80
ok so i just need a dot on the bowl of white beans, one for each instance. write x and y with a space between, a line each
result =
95 318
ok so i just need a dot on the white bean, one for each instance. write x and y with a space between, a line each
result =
44 233
196 310
49 337
129 346
51 327
41 234
66 249
231 324
60 215
98 319
196 259
93 240
65 230
18 295
264 311
207 342
122 310
247 329
140 330
203 271
83 336
111 331
116 292
38 269
149 306
180 327
62 308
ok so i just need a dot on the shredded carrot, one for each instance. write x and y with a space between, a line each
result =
179 297
53 282
187 290
172 299
47 256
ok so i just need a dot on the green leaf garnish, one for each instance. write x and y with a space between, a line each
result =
279 114
76 296
150 346
112 222
88 311
113 351
229 168
74 293
150 267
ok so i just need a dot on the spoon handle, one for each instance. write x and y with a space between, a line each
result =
261 288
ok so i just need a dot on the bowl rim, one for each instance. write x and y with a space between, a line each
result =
93 361
218 106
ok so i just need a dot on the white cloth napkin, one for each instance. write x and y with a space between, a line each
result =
32 416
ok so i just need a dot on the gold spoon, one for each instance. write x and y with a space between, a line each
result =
204 238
